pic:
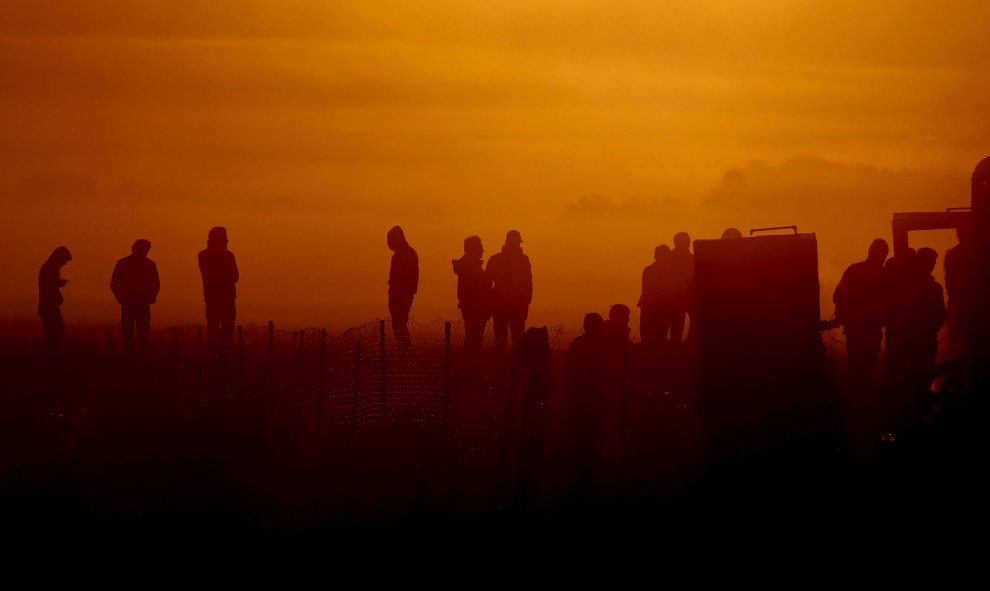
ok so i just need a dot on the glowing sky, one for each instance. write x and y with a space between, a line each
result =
598 129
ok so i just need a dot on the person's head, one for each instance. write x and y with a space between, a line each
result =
619 313
513 238
682 241
731 234
396 238
594 324
217 237
878 251
60 256
926 259
472 247
661 252
141 247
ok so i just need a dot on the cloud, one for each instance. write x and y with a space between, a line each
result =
55 186
596 205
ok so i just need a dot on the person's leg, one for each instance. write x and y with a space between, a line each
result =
474 330
142 319
500 326
398 308
677 321
227 323
212 327
127 319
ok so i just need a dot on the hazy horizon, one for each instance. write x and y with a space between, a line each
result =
597 129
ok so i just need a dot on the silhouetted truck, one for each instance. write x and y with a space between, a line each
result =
760 344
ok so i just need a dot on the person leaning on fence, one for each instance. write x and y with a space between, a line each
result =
220 276
403 281
474 293
135 285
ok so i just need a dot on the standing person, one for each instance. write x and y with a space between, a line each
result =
50 298
656 299
403 281
220 275
512 276
682 275
135 285
474 293
859 309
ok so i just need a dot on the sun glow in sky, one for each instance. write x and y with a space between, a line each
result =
598 129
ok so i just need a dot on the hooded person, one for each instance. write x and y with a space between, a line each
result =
512 278
50 298
403 281
474 292
219 271
135 286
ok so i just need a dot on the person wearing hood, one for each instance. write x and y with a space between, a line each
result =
403 281
474 293
50 298
220 276
512 277
135 285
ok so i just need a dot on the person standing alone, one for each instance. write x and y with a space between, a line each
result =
220 276
135 285
403 280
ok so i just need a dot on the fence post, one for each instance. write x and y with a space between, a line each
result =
357 383
381 368
446 369
175 343
622 417
271 354
240 356
322 370
299 385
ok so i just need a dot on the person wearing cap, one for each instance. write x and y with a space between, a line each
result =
403 280
512 277
135 285
50 298
220 276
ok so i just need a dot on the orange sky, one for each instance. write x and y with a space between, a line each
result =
598 129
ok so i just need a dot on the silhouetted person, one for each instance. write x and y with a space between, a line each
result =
656 300
583 362
731 234
616 331
960 292
220 275
584 387
135 285
50 298
474 293
512 292
933 313
859 300
682 275
403 281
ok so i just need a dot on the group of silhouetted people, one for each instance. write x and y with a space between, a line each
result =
135 285
897 301
502 291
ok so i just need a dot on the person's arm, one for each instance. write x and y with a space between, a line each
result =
529 282
415 272
233 265
156 283
115 282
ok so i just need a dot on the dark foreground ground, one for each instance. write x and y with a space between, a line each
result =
179 450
